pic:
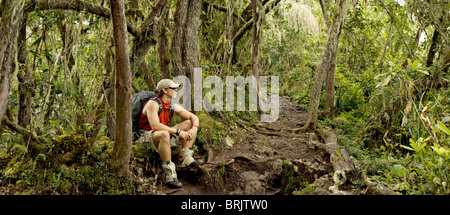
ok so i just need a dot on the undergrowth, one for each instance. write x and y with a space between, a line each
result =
73 164
398 133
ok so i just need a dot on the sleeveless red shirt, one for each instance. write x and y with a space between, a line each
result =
164 117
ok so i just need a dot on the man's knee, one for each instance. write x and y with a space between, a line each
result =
161 137
164 136
189 122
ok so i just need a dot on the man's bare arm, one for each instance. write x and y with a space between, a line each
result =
183 113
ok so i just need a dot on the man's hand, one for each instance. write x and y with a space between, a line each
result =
193 131
185 135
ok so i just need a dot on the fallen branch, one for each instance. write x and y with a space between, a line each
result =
338 158
378 189
19 129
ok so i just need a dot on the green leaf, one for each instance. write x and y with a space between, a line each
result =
396 67
409 61
400 170
439 150
443 128
398 167
414 65
422 146
413 144
407 147
384 82
437 180
379 76
37 41
419 145
423 71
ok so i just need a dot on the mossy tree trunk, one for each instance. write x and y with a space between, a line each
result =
257 8
164 59
144 39
326 66
184 42
10 26
25 77
123 138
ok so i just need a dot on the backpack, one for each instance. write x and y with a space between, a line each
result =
138 102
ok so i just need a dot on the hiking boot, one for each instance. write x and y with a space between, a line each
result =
187 159
170 175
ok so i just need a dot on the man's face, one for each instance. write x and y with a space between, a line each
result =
172 92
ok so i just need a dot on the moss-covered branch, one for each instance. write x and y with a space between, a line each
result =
23 131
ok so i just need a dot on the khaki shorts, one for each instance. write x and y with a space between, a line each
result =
146 139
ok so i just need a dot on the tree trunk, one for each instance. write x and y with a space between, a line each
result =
148 77
164 60
325 14
433 48
25 77
123 138
178 37
255 46
326 64
329 91
192 24
329 107
248 25
184 43
11 19
111 96
144 40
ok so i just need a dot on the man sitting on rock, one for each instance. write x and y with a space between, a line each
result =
159 134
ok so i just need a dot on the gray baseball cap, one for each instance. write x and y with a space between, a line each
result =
166 83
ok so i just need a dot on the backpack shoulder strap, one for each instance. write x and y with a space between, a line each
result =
159 103
171 110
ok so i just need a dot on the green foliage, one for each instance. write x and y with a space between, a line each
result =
427 171
68 165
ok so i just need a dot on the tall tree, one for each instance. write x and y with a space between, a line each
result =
184 42
164 59
327 63
257 7
123 138
10 24
25 76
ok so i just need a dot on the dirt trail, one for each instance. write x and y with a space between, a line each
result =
259 163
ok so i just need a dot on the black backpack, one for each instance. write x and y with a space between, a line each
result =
138 102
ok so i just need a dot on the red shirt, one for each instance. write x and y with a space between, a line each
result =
164 117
